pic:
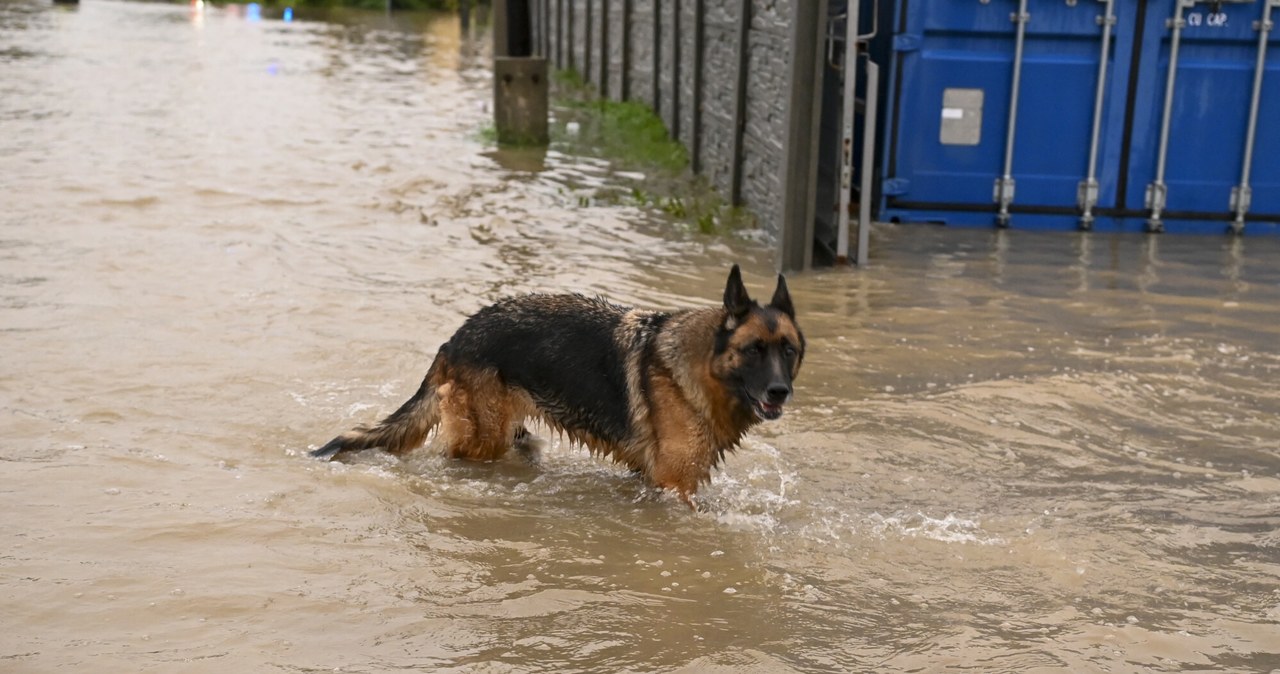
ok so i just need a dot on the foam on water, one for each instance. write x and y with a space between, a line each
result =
948 529
761 497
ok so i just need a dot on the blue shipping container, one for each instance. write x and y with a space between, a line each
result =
956 82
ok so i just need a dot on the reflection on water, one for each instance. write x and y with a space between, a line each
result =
224 240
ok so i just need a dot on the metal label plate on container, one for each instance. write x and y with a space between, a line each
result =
961 117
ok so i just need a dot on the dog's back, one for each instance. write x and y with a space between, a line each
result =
562 350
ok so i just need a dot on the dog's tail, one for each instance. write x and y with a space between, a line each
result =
403 430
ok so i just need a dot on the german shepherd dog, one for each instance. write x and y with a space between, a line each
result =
666 394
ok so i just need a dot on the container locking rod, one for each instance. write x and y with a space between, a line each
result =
1087 194
1158 192
1004 184
1242 193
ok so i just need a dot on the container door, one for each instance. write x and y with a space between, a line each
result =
951 102
1209 111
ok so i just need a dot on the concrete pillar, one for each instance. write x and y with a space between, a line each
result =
800 147
520 100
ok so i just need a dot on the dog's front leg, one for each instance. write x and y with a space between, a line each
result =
680 465
677 460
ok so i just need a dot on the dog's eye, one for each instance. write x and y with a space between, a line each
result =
789 351
757 349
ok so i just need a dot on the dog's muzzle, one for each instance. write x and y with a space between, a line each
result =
770 407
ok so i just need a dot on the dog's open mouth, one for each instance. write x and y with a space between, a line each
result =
764 410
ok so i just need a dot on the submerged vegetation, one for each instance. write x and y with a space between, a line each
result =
627 133
652 168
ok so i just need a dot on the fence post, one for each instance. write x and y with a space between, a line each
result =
695 133
519 80
520 99
588 44
500 39
604 47
657 57
569 41
548 27
626 50
800 146
675 69
740 103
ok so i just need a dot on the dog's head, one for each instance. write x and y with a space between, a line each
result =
758 348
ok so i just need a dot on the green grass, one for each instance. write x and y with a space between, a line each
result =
488 134
631 137
625 132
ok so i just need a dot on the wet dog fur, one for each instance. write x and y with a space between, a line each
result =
666 394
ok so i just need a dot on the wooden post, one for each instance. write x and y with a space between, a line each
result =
520 99
800 146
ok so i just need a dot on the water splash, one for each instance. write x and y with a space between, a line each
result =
949 529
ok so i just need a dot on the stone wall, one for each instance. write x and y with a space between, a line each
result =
766 113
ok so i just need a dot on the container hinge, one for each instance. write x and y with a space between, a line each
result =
893 187
1002 193
1087 198
907 42
1156 197
1241 198
1268 24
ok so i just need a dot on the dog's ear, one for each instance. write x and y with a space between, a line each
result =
736 300
782 299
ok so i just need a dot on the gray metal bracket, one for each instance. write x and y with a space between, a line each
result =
849 67
1087 198
1157 197
1002 194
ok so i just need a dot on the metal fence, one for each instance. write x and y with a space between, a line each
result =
717 72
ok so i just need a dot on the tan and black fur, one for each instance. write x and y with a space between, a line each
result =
666 394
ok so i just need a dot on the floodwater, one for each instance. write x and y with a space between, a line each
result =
224 240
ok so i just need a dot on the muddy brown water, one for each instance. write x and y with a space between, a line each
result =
223 241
